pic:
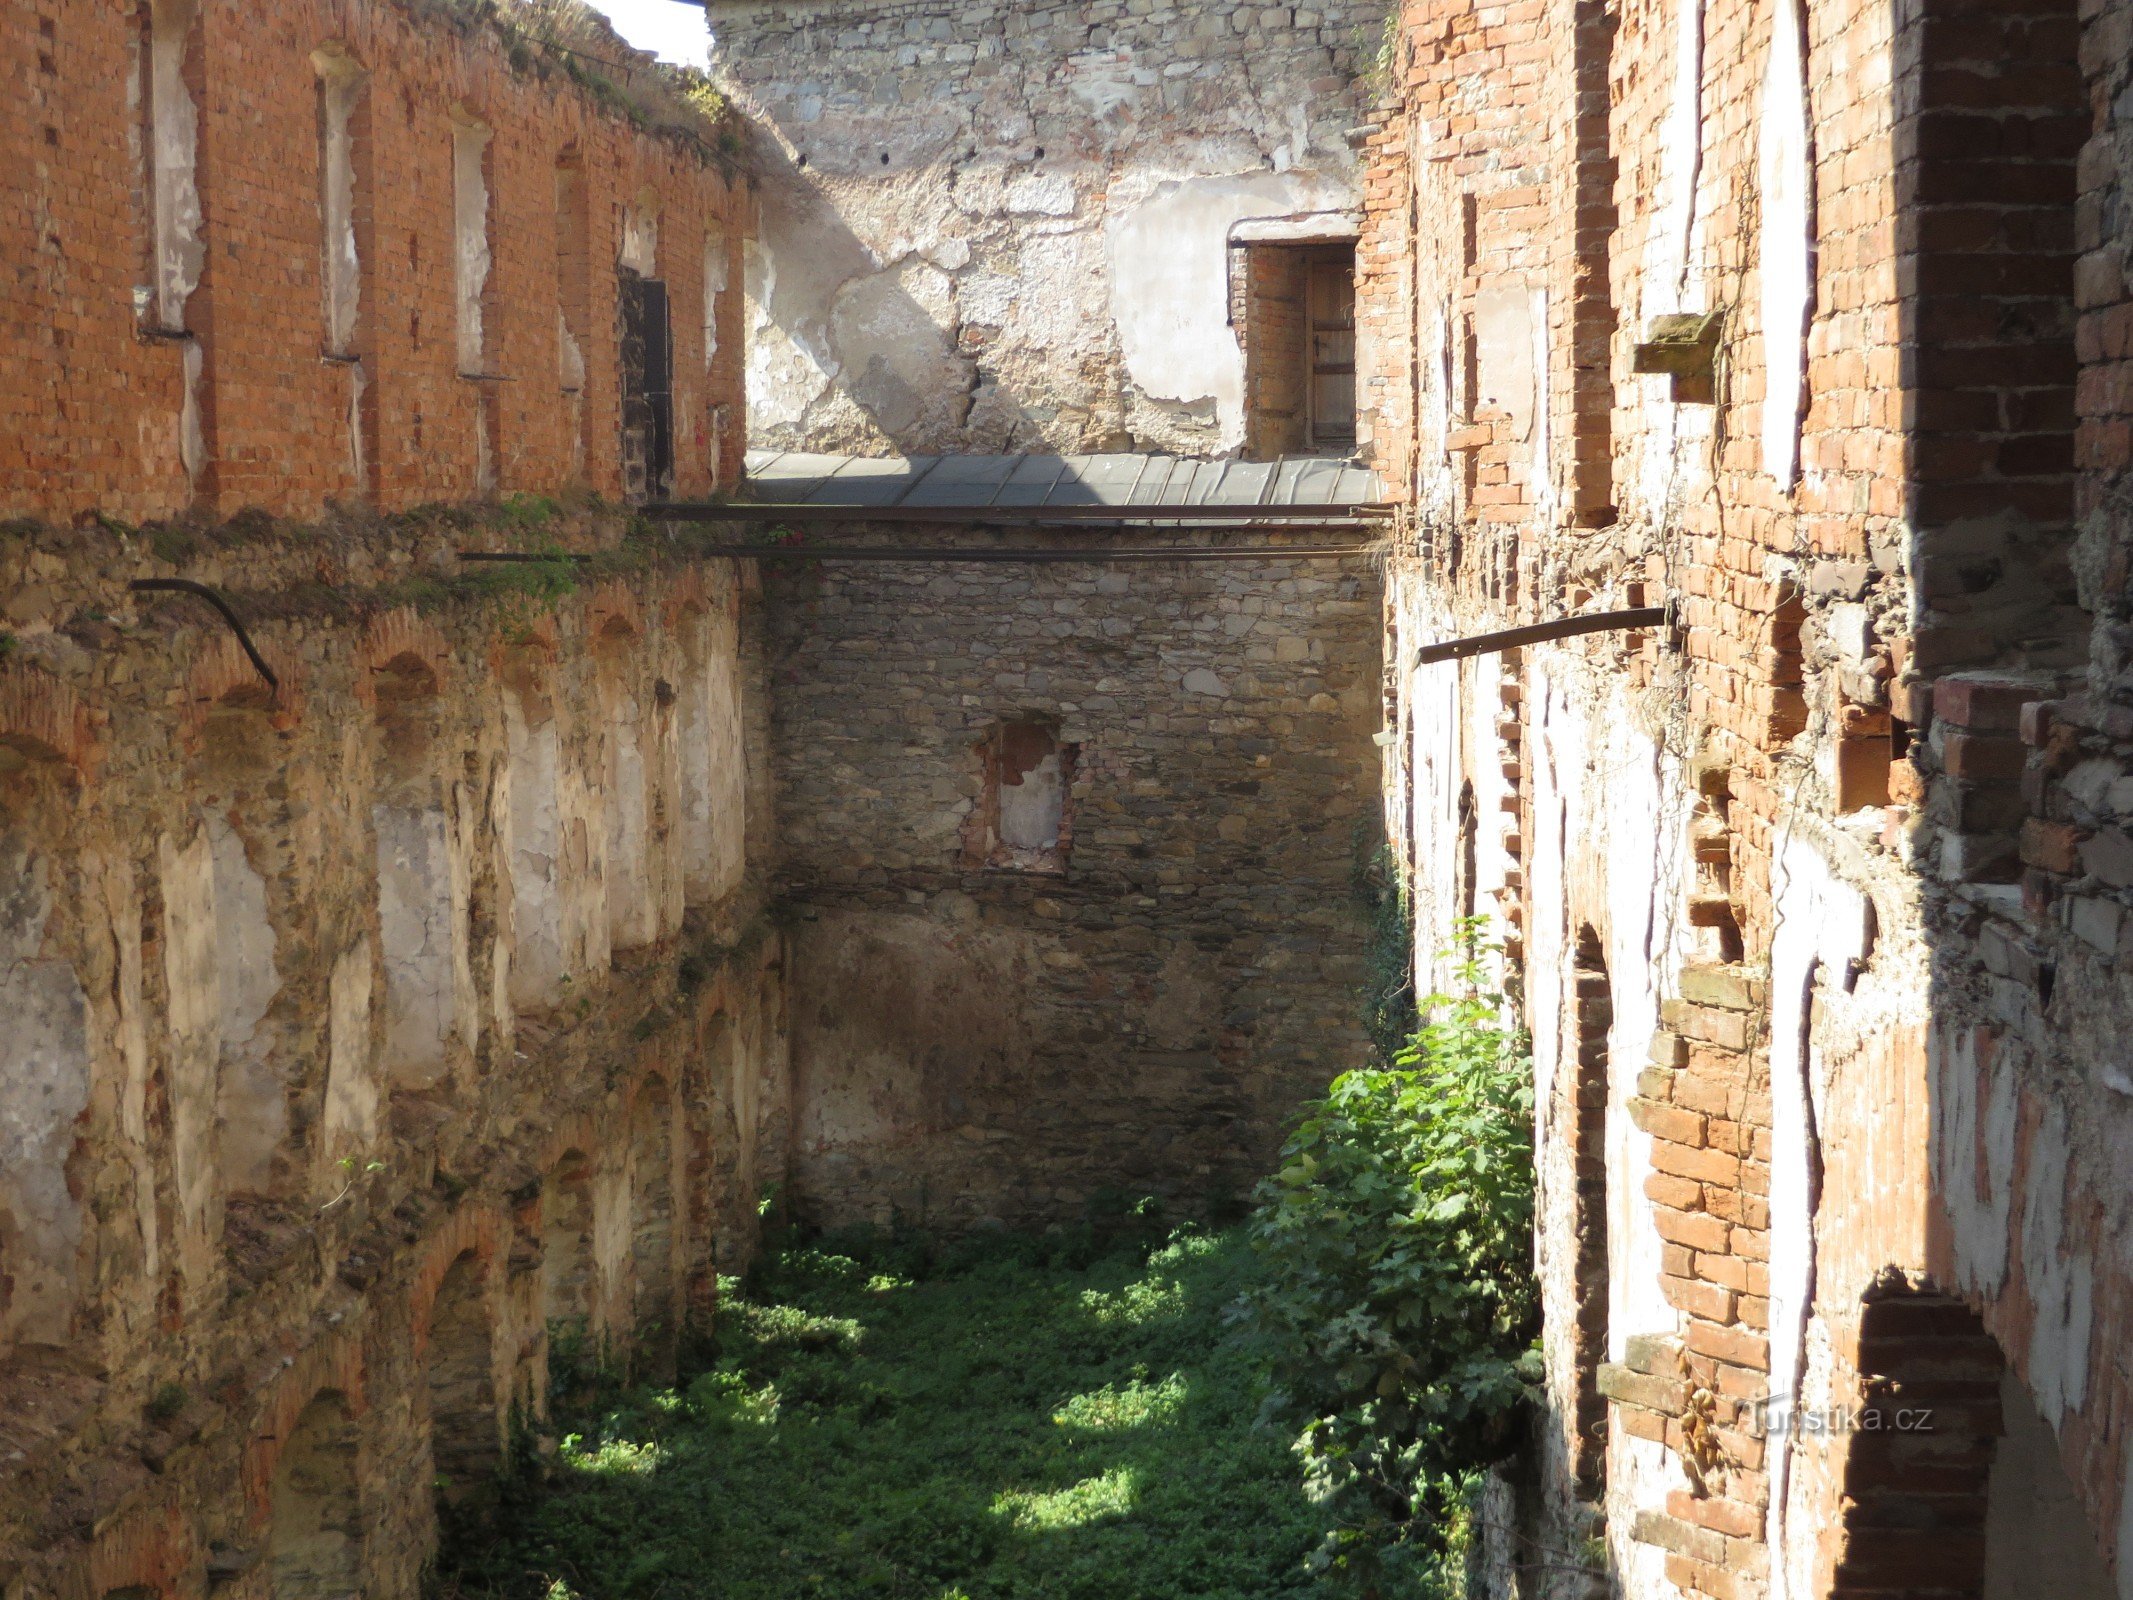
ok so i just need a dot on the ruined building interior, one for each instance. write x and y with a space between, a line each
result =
409 963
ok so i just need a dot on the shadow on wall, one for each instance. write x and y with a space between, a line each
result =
1050 307
829 323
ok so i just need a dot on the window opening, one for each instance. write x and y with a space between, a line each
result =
1024 819
647 389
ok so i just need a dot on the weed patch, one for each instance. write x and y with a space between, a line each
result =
996 1421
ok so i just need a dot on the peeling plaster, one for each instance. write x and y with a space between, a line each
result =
2061 1280
535 846
351 1119
193 1012
470 238
44 1087
1974 1125
253 1102
418 932
1168 285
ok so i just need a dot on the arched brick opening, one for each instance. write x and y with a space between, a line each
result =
1595 1015
464 1445
652 1224
1953 1485
315 1538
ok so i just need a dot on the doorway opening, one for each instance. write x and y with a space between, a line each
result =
1296 322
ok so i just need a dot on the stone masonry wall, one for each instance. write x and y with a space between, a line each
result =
1002 226
365 1033
169 314
974 1044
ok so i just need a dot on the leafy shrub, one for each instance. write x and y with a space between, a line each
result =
1399 1302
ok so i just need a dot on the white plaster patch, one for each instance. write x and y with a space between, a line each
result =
470 238
716 272
533 756
898 366
193 1010
1822 926
180 253
2061 1280
713 763
1503 340
340 86
1044 194
1784 245
628 869
253 1104
351 1117
1169 287
640 236
1968 1114
415 927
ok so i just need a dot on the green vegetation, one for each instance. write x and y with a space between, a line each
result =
1019 1417
1398 1299
1388 951
1299 1406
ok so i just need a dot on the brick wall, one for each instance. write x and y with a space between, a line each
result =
1795 820
98 395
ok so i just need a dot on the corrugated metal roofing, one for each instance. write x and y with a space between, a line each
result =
794 477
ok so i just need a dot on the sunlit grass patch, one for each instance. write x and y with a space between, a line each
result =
1117 1407
1107 1495
1143 1301
610 1457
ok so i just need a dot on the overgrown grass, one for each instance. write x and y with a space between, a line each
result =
1014 1418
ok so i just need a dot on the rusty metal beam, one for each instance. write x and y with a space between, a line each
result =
1482 644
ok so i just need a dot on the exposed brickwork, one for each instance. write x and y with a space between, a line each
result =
1890 825
97 405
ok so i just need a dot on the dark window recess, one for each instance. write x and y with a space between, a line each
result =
1295 314
1024 818
647 390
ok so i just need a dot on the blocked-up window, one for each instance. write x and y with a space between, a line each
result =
1023 821
471 264
1295 314
470 239
172 134
340 88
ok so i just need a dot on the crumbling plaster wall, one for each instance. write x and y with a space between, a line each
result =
1002 227
1877 1064
974 1045
233 1180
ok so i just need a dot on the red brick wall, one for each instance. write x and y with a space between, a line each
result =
1861 650
95 407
